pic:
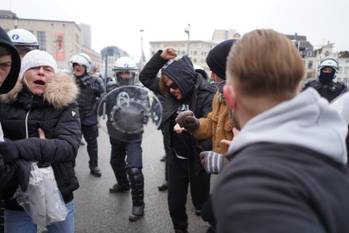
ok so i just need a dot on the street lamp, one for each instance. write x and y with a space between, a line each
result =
187 30
142 58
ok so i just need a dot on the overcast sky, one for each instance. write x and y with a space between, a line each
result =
115 22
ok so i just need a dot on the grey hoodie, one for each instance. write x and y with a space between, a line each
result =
306 121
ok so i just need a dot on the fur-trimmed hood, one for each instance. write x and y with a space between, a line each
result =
60 92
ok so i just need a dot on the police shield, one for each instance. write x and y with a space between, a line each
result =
125 112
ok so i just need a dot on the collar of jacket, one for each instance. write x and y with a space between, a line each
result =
84 80
60 92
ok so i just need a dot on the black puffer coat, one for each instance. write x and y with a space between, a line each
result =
57 113
328 90
90 89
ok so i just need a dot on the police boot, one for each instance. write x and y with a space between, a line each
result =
181 231
137 191
123 184
95 171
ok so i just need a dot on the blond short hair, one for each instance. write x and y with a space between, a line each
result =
265 63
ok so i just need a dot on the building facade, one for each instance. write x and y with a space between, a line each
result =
327 50
109 55
62 39
304 47
222 34
198 49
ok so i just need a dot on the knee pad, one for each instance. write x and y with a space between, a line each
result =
135 174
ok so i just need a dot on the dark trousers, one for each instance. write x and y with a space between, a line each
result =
207 213
119 151
167 149
132 151
2 215
182 173
90 134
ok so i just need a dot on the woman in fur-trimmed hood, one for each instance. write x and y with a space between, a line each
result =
40 120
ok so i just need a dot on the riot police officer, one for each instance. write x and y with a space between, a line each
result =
123 143
90 89
325 84
23 40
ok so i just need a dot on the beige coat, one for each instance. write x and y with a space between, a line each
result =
217 125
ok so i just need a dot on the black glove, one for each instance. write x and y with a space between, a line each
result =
23 173
97 86
9 151
188 121
212 161
7 173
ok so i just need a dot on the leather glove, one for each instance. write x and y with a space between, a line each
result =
23 173
188 121
212 161
9 151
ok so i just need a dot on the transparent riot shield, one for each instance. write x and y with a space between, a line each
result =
341 105
127 111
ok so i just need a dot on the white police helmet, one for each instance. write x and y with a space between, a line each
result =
329 62
81 59
125 70
125 63
23 37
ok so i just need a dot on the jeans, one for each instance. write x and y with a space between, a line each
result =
20 222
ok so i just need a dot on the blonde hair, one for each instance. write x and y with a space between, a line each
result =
265 63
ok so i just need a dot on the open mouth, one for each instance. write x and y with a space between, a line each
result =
39 82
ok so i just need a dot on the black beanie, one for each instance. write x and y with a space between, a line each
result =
217 57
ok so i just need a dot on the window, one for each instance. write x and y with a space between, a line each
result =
42 39
310 64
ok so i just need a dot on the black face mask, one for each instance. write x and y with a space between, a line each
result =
125 81
326 77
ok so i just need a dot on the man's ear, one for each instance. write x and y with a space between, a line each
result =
229 95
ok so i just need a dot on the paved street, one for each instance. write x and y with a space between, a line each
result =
99 211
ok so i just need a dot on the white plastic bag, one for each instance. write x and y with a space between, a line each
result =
42 201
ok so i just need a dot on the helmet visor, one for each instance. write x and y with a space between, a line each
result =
23 49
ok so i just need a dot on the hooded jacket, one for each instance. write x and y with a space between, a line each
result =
287 171
11 79
197 93
56 113
183 74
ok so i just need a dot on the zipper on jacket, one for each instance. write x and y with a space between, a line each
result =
26 125
27 117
